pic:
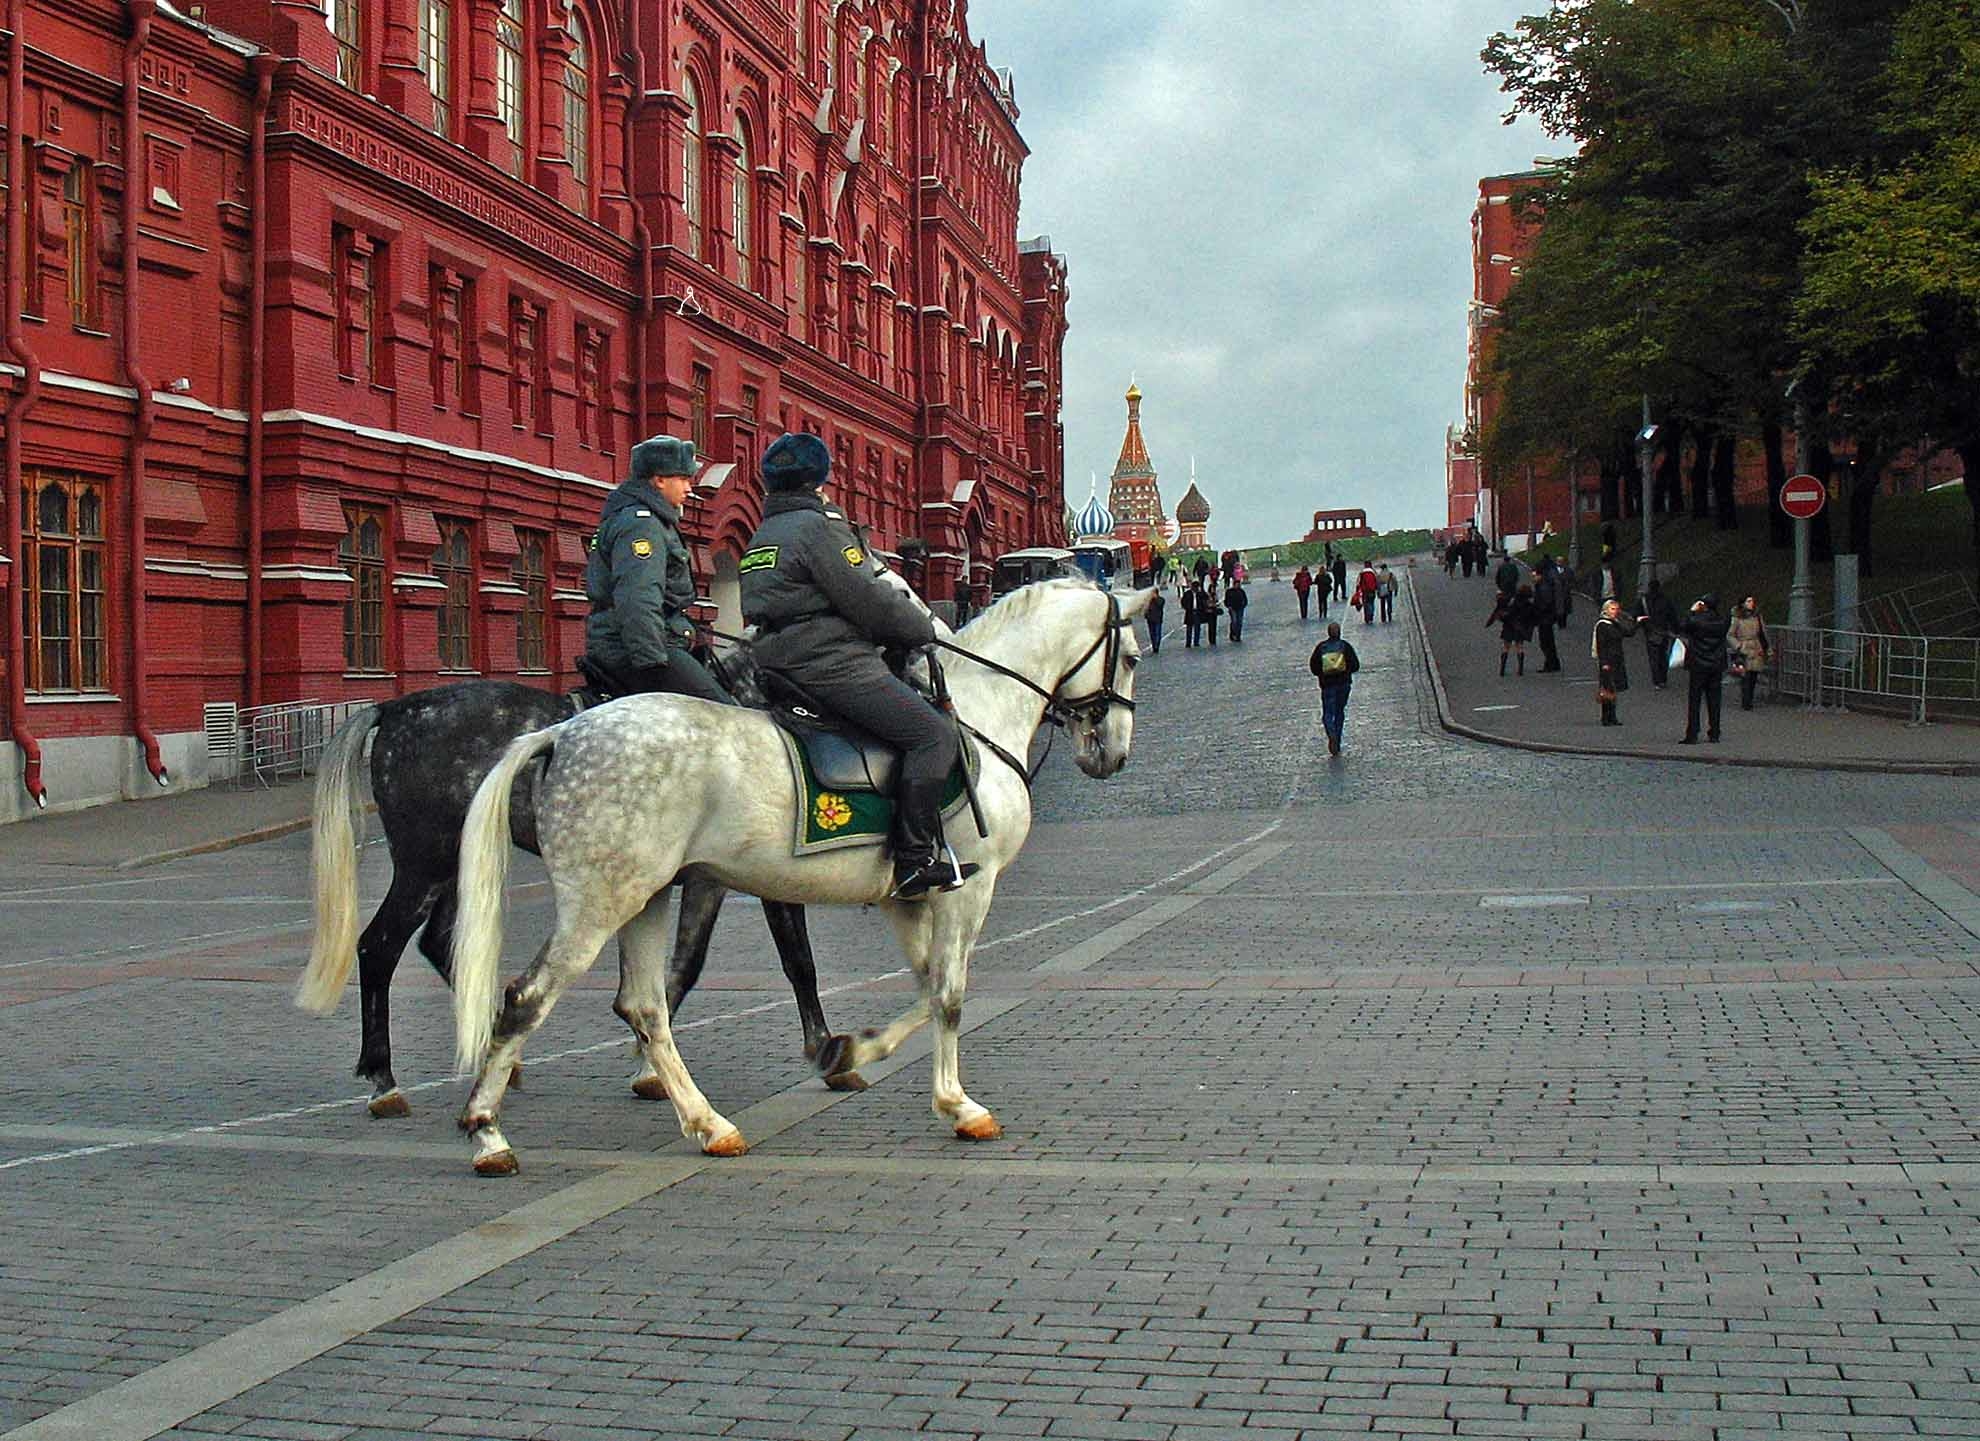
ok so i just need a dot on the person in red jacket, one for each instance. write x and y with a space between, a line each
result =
1364 593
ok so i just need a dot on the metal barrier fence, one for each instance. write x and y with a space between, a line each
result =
1836 667
274 742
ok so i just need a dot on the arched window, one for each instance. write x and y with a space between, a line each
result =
347 24
743 205
577 107
692 161
436 59
511 79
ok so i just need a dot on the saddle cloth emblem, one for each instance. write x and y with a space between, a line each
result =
831 816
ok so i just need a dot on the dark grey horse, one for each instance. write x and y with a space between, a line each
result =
431 751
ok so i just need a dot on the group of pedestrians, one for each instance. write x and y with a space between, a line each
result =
1525 610
1468 552
1324 582
1374 589
1203 599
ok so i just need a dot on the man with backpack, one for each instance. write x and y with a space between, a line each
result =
1333 665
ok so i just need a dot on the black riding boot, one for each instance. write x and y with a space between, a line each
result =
922 863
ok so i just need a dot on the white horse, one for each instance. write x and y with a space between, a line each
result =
638 789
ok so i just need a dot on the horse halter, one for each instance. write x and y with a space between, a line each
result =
1091 708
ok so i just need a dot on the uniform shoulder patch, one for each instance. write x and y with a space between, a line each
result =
854 555
642 548
764 557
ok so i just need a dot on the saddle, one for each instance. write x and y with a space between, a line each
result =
841 757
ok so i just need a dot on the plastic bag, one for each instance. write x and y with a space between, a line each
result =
1678 653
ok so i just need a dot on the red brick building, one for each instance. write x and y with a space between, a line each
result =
1502 236
330 323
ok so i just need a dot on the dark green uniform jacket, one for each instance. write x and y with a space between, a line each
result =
816 593
639 581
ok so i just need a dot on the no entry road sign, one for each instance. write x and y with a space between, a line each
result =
1803 497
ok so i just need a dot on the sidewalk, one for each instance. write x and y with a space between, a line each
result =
1557 712
136 833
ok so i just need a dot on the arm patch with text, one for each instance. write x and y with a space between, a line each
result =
764 557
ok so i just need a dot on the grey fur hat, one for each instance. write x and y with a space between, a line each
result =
795 462
662 455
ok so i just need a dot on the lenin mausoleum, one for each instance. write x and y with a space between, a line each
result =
329 323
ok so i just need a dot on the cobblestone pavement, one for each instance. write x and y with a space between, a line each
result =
1439 1089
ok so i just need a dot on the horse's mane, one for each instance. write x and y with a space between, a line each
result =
1019 605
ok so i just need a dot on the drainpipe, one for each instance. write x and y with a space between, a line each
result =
919 78
17 408
642 234
141 12
262 67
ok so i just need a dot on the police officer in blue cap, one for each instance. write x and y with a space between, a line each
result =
640 582
822 609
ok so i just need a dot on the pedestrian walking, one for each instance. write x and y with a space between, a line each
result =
1153 615
1658 619
1704 631
1333 664
1235 600
1506 577
1546 611
1747 648
1340 577
1513 614
1612 627
1323 587
1364 593
1303 588
1192 610
1212 608
1385 592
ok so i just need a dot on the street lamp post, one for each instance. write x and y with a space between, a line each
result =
1801 593
1646 450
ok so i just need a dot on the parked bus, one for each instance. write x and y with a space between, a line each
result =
1022 567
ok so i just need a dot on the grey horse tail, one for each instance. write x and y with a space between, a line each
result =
336 823
483 875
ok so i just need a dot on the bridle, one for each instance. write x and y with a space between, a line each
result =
1061 711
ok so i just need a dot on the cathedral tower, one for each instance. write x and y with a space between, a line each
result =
1132 493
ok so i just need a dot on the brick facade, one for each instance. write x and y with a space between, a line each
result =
406 280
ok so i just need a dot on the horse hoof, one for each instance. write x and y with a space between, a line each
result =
729 1143
846 1081
496 1163
835 1056
389 1107
515 1077
983 1128
650 1088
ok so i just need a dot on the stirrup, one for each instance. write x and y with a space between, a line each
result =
943 873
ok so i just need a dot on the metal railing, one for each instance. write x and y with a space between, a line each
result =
1927 675
275 742
1944 605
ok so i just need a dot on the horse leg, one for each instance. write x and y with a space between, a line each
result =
642 1005
404 907
949 933
526 1004
793 938
436 943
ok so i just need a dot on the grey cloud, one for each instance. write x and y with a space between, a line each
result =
1266 207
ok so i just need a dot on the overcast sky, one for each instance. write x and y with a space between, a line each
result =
1266 207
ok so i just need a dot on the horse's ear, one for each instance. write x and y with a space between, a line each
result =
1137 602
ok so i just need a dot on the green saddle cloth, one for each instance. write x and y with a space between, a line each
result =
831 816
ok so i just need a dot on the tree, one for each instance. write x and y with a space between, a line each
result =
1890 303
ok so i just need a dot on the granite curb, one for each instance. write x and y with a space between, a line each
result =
1456 727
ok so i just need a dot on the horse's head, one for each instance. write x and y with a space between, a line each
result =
1097 695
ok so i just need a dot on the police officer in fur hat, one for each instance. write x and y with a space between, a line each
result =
822 609
640 583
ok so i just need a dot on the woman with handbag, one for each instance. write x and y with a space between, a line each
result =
1612 628
1746 649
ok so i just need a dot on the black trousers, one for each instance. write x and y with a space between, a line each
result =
866 694
1305 599
1658 644
1708 686
1237 623
1547 650
681 675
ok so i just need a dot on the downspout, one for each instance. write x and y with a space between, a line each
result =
915 216
145 412
17 408
262 67
642 234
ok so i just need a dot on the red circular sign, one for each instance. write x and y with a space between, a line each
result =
1803 497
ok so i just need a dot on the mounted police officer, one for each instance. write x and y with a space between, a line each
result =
822 607
640 582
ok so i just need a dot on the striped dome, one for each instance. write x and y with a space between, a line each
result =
1093 518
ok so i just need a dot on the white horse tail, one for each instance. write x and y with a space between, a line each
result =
333 865
484 874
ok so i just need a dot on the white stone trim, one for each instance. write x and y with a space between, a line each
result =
305 572
399 437
193 567
501 587
417 582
